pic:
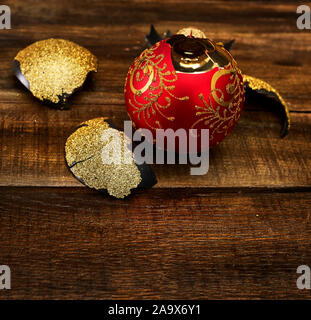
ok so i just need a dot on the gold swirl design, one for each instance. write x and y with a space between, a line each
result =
147 70
223 117
160 80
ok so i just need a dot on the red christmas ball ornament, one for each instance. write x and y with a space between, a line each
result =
185 82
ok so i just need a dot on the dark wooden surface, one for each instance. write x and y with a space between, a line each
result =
238 232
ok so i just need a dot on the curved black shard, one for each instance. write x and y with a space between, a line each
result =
153 37
19 75
261 90
228 45
148 178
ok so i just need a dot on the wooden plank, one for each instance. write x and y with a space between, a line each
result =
33 137
164 243
268 43
96 13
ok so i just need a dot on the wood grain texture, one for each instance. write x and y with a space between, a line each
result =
33 141
240 231
268 43
238 245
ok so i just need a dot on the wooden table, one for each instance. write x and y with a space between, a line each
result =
240 231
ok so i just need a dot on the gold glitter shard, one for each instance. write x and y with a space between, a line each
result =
54 68
86 151
260 85
192 32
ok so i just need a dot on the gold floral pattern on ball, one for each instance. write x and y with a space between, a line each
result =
159 79
227 112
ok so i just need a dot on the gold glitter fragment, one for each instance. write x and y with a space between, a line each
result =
55 67
257 85
86 155
193 32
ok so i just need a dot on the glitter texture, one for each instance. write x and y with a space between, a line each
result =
85 152
192 32
54 68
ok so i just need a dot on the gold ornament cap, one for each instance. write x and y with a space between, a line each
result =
193 55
